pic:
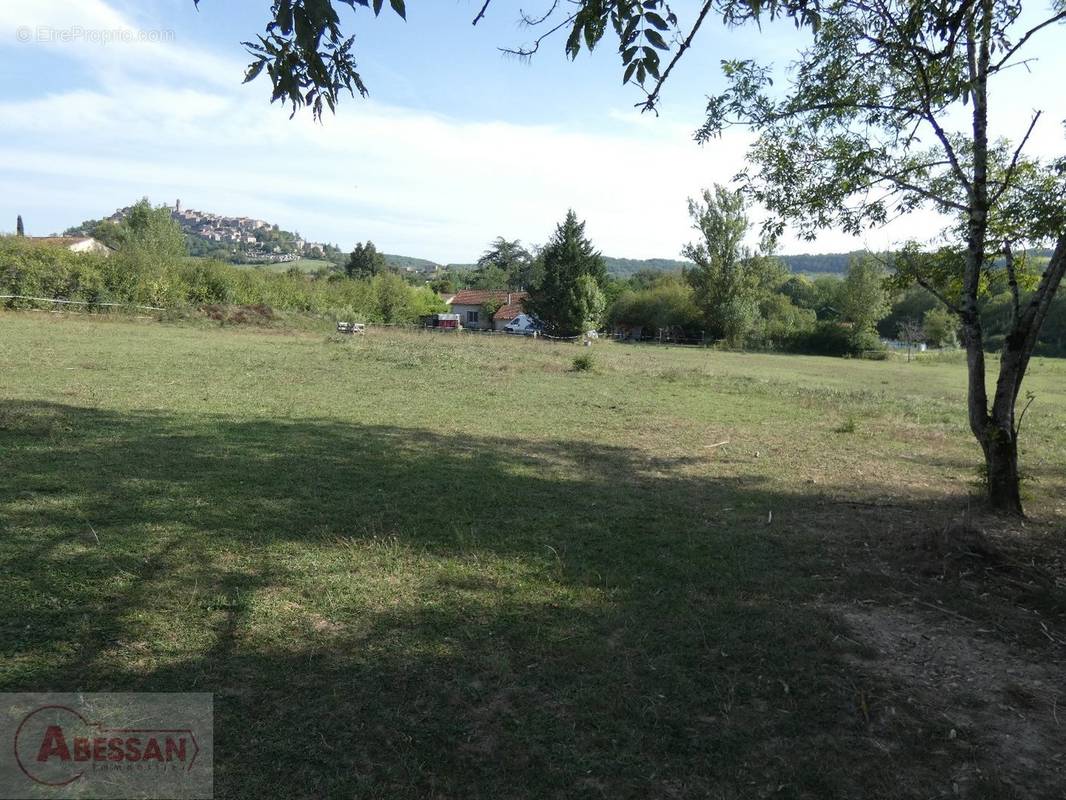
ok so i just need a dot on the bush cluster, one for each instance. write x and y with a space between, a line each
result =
136 277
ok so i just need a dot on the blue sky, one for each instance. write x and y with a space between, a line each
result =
456 145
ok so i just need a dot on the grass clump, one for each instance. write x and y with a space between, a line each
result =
849 425
583 363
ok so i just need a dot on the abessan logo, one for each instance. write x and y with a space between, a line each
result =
66 743
109 745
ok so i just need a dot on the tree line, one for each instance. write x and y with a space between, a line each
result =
150 266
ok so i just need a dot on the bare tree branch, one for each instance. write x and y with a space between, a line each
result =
1018 45
481 14
1014 161
527 52
952 307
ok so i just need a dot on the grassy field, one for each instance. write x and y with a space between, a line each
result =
302 264
413 565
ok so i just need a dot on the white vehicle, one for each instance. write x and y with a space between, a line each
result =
522 324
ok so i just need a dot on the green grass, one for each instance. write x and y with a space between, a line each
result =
440 566
302 264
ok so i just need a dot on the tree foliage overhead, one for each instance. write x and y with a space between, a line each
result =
310 61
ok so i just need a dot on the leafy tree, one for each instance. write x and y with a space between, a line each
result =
443 283
512 260
783 322
863 300
488 311
392 297
828 289
365 261
729 279
568 299
425 301
1053 334
648 278
667 305
488 276
912 303
151 231
941 327
802 292
867 130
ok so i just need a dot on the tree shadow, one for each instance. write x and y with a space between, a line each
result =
398 612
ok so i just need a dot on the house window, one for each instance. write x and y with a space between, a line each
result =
472 316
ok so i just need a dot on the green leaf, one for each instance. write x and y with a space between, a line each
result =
253 70
656 20
399 7
656 39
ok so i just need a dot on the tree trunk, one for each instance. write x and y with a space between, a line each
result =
1000 440
1001 462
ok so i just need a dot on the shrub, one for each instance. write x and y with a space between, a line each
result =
138 276
835 339
825 339
583 363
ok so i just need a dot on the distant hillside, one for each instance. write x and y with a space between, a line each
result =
624 267
823 262
820 262
627 267
410 263
239 240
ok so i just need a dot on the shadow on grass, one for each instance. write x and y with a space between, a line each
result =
387 612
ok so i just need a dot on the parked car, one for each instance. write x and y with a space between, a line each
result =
523 324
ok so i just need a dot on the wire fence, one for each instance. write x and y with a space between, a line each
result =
92 303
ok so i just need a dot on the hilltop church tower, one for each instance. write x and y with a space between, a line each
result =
177 206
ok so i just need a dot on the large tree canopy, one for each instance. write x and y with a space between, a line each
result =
729 279
568 298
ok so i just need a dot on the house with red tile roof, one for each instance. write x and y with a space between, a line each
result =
471 306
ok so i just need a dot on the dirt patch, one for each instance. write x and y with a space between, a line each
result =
258 314
998 718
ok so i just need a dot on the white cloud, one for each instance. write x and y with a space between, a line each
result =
111 44
414 182
169 120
